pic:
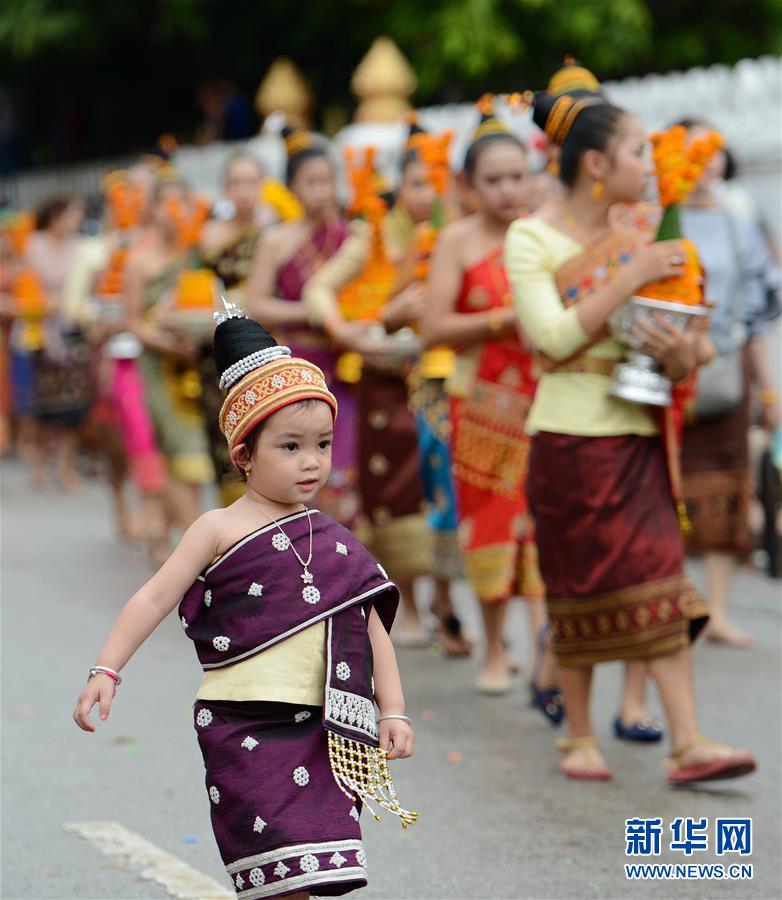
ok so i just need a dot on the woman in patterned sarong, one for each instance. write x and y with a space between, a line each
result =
227 247
469 308
61 386
287 256
600 482
167 364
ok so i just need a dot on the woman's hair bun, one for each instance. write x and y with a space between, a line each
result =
542 104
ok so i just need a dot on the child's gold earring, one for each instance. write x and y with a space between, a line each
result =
597 190
248 468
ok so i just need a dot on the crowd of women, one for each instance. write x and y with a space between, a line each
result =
461 321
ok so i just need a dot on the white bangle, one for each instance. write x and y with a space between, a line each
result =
393 716
105 670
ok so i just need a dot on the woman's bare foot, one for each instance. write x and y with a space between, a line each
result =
128 528
494 675
37 477
411 633
451 638
69 481
727 633
587 764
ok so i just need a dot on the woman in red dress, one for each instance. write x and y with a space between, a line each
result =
470 309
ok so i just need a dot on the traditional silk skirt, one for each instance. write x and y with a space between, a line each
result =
431 406
22 369
280 821
147 466
496 532
389 476
717 482
611 553
63 382
172 390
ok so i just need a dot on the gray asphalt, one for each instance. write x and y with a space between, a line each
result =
497 820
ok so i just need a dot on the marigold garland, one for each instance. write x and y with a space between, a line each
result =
283 201
679 165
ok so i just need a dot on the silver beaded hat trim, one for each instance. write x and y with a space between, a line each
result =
250 363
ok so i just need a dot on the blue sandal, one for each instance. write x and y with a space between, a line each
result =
644 731
548 700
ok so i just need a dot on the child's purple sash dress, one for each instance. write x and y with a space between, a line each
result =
282 821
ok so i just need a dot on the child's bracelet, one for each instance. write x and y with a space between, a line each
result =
401 718
105 670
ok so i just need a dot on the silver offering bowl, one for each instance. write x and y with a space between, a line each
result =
639 379
398 347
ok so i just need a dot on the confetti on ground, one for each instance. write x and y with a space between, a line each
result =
454 756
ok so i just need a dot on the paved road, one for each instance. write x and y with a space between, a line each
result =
496 819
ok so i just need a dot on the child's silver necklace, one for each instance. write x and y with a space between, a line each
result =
310 593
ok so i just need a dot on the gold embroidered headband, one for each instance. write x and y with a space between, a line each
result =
267 389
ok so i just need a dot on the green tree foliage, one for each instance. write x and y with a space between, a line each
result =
130 69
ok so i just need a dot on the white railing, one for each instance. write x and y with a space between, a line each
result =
743 101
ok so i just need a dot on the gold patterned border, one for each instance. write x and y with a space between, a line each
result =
267 389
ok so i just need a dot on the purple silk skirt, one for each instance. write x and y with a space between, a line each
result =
280 821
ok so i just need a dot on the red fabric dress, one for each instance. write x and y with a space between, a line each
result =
491 450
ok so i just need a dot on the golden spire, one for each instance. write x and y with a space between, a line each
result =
284 90
383 83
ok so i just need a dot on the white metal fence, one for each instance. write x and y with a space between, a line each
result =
743 101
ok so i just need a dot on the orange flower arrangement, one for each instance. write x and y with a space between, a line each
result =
678 167
433 152
425 240
18 228
110 282
195 289
283 201
124 200
366 202
189 223
29 296
364 297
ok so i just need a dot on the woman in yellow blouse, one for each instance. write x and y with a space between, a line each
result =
610 550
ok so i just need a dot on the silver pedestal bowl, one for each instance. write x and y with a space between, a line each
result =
639 379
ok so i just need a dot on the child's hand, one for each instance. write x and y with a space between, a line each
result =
99 689
397 738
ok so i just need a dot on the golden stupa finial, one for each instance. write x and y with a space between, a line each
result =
383 82
284 90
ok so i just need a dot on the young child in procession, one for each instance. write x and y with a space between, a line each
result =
290 616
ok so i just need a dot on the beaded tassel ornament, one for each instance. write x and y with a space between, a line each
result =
361 772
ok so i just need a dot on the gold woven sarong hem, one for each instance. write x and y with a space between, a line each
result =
500 571
637 622
446 556
192 468
403 545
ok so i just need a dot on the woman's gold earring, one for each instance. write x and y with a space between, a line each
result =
247 469
597 190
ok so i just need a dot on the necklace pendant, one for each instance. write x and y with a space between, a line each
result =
307 577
